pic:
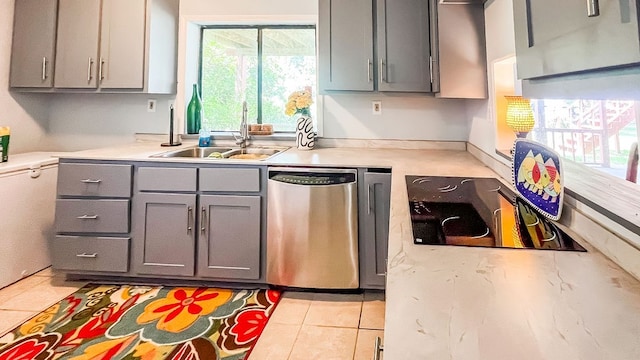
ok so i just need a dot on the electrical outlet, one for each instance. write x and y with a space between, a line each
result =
376 107
151 105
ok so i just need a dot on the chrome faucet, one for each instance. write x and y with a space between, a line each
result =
244 128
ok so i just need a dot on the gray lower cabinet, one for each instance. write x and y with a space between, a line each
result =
85 253
374 204
197 222
33 46
561 37
229 239
164 233
92 220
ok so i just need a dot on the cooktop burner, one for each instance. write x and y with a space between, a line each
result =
478 212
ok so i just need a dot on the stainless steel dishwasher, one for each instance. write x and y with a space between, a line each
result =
312 228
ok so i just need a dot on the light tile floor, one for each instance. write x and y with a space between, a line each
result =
304 326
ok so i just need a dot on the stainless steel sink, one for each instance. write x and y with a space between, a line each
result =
221 153
194 152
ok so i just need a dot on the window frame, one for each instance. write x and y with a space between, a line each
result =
259 29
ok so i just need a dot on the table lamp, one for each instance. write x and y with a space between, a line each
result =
519 115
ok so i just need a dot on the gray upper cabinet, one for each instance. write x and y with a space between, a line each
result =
419 46
345 50
229 240
122 44
374 209
347 56
77 44
458 49
403 45
562 37
101 46
33 46
164 232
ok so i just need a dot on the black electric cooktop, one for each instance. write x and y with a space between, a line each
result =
478 212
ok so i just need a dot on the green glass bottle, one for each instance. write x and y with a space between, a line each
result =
194 112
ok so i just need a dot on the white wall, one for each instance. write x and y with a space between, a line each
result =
26 114
347 116
500 44
81 121
403 117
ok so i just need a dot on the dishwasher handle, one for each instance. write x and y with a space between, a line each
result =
313 176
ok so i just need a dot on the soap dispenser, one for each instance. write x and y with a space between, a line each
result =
204 138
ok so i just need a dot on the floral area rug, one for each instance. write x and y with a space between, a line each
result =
144 323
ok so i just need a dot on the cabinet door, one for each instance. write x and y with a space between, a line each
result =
122 44
559 37
164 234
229 241
403 45
33 47
77 45
374 236
345 45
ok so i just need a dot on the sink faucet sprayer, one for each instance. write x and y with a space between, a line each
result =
244 128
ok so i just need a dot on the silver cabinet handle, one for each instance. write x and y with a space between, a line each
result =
85 255
431 69
369 70
90 181
381 71
44 68
203 219
369 199
87 217
378 349
100 75
593 8
189 218
89 68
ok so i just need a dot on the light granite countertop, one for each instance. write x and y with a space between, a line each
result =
448 302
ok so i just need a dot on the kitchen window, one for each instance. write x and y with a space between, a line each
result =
261 65
596 133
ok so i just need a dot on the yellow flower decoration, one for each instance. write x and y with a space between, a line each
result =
299 102
182 307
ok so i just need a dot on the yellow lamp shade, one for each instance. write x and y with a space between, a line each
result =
519 115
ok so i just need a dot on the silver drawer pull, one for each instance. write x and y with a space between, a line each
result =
378 349
44 68
203 220
90 70
593 8
91 181
88 256
87 217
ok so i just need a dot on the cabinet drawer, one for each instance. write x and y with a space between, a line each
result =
230 179
90 253
103 180
92 216
166 179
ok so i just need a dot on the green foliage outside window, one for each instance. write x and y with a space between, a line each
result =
230 74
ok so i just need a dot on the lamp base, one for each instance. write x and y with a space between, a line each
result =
521 134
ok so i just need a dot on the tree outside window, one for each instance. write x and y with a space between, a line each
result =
258 64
